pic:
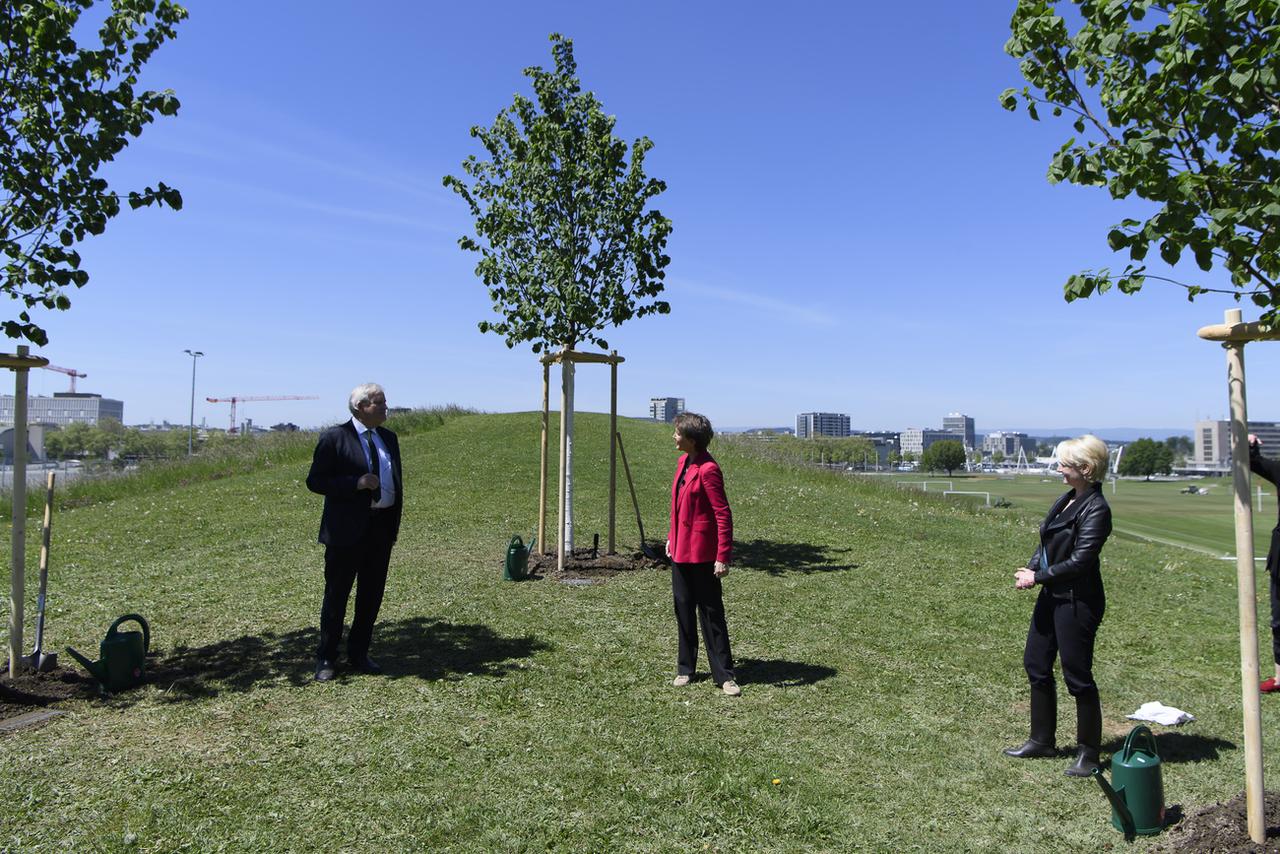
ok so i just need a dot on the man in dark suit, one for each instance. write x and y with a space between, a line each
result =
356 467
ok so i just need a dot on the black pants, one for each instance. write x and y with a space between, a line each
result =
695 588
1066 628
365 565
1273 569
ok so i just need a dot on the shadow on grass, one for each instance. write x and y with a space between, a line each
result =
787 674
778 558
1176 747
420 647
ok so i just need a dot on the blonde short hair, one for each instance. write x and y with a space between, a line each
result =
1086 453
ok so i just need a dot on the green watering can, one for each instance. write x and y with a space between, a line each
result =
1136 790
518 559
123 655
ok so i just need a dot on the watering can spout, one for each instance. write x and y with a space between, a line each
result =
96 670
1116 796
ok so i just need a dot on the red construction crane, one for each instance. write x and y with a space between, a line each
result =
71 372
235 399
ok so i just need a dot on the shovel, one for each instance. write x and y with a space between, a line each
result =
645 549
39 660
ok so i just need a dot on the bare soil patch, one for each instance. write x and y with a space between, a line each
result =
582 565
31 690
1223 828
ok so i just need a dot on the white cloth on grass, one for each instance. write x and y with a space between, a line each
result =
1158 712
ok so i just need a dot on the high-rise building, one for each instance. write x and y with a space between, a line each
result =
665 408
810 424
64 408
959 423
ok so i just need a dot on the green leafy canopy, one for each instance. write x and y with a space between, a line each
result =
1176 103
65 110
567 246
947 455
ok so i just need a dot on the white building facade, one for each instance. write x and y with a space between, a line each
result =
64 408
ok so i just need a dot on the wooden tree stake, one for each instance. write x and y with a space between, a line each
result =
613 452
542 480
1235 334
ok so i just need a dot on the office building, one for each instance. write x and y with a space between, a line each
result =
962 424
914 440
810 424
1211 444
1007 443
665 408
64 408
1268 433
886 443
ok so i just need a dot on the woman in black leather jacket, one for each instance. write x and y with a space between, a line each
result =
1069 608
1270 469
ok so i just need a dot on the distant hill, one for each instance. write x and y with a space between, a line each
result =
1109 434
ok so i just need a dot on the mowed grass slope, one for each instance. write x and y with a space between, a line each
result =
877 633
1153 510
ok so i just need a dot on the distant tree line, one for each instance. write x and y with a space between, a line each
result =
851 450
111 439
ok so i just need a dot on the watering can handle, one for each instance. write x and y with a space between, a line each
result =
1127 750
140 620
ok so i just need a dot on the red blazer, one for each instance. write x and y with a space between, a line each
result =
701 524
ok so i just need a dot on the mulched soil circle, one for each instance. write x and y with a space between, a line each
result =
31 690
1223 828
581 566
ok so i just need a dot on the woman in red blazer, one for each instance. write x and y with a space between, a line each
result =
700 544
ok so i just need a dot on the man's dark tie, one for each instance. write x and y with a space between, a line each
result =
373 452
373 463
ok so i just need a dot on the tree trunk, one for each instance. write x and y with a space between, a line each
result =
567 374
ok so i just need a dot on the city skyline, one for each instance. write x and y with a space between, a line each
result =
885 251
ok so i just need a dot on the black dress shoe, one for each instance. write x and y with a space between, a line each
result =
325 670
1032 749
365 664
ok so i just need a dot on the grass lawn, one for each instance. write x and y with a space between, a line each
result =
877 632
1151 510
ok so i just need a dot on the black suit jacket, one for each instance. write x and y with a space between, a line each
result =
338 463
1071 542
1270 469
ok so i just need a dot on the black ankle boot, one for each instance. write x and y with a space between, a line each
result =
1031 749
1086 762
1044 725
1088 736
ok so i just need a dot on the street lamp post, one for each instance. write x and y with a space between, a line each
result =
191 425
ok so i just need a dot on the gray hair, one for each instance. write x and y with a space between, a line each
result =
362 394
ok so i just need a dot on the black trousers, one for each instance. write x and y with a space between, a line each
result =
1063 628
1273 569
364 565
699 598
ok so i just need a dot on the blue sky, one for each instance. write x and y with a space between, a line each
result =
858 226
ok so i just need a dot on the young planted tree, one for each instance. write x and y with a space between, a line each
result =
568 242
1175 103
66 109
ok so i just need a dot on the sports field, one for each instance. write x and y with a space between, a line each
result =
1157 511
